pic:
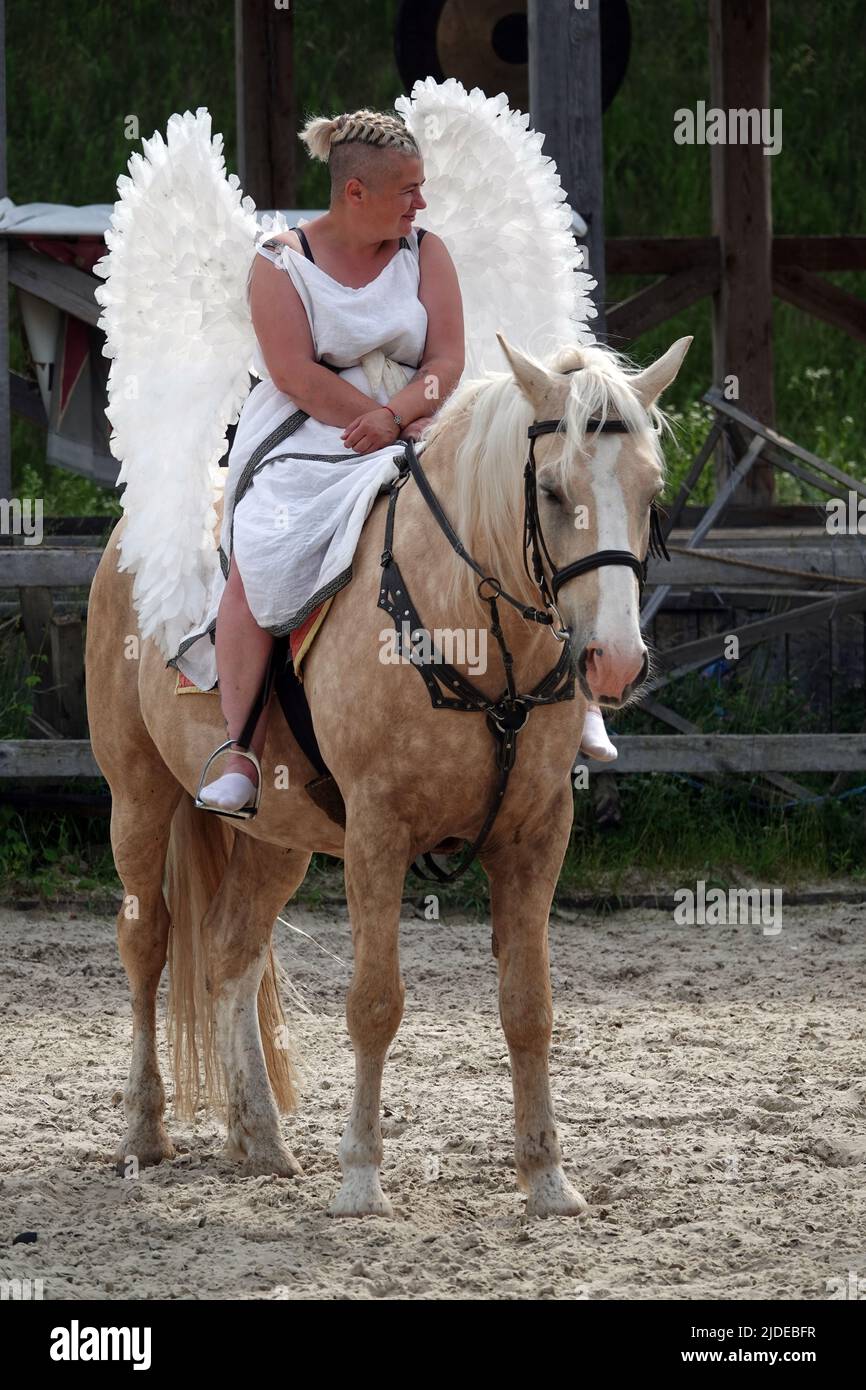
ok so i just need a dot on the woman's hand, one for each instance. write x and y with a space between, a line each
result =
375 429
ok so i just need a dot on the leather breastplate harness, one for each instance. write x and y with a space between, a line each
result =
448 688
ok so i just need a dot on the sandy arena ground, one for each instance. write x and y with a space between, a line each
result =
710 1085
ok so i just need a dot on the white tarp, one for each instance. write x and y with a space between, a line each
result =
55 219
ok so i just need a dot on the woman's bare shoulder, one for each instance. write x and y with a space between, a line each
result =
289 238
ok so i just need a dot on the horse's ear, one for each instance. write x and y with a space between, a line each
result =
533 381
649 384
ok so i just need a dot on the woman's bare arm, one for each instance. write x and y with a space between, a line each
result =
283 330
444 351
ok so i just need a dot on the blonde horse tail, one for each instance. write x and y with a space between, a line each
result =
199 848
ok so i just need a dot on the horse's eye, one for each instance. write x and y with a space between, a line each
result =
551 494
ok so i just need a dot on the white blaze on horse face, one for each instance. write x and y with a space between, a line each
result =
617 634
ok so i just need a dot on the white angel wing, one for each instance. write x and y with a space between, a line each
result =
499 206
178 329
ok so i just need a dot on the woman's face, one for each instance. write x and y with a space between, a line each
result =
398 199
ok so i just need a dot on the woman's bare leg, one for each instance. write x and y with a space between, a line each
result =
242 652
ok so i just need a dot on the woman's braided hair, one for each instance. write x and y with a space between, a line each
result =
324 136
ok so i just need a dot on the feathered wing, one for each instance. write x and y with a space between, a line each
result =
499 206
179 333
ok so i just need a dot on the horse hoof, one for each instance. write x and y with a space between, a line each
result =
271 1162
551 1194
142 1151
361 1195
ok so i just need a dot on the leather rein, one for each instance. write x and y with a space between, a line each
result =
447 687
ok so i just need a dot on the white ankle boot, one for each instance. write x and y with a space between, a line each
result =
594 741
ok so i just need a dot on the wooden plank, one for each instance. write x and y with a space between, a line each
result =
743 753
656 255
36 607
819 252
823 300
691 656
793 516
565 103
264 85
64 285
656 303
66 648
685 726
746 753
45 757
742 219
728 568
714 398
28 566
81 458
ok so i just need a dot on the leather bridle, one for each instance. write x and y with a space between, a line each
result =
534 544
448 688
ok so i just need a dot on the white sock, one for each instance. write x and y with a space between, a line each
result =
230 792
594 740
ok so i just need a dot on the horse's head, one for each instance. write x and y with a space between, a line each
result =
595 489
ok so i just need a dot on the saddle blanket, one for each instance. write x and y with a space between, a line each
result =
300 641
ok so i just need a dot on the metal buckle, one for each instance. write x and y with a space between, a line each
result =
563 634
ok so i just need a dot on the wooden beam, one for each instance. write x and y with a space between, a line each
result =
742 219
685 726
264 82
659 255
819 252
700 753
691 656
654 304
65 286
745 753
47 758
665 255
565 103
715 399
740 567
34 566
821 298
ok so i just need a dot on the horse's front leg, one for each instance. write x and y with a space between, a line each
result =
376 855
522 879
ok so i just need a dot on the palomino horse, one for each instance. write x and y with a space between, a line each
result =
205 893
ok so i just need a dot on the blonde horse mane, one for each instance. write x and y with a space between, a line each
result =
494 415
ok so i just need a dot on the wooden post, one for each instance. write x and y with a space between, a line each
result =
742 219
565 103
5 412
267 139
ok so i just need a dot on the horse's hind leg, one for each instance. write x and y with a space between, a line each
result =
258 882
142 808
376 849
522 879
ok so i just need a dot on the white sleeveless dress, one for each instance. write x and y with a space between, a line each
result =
295 497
